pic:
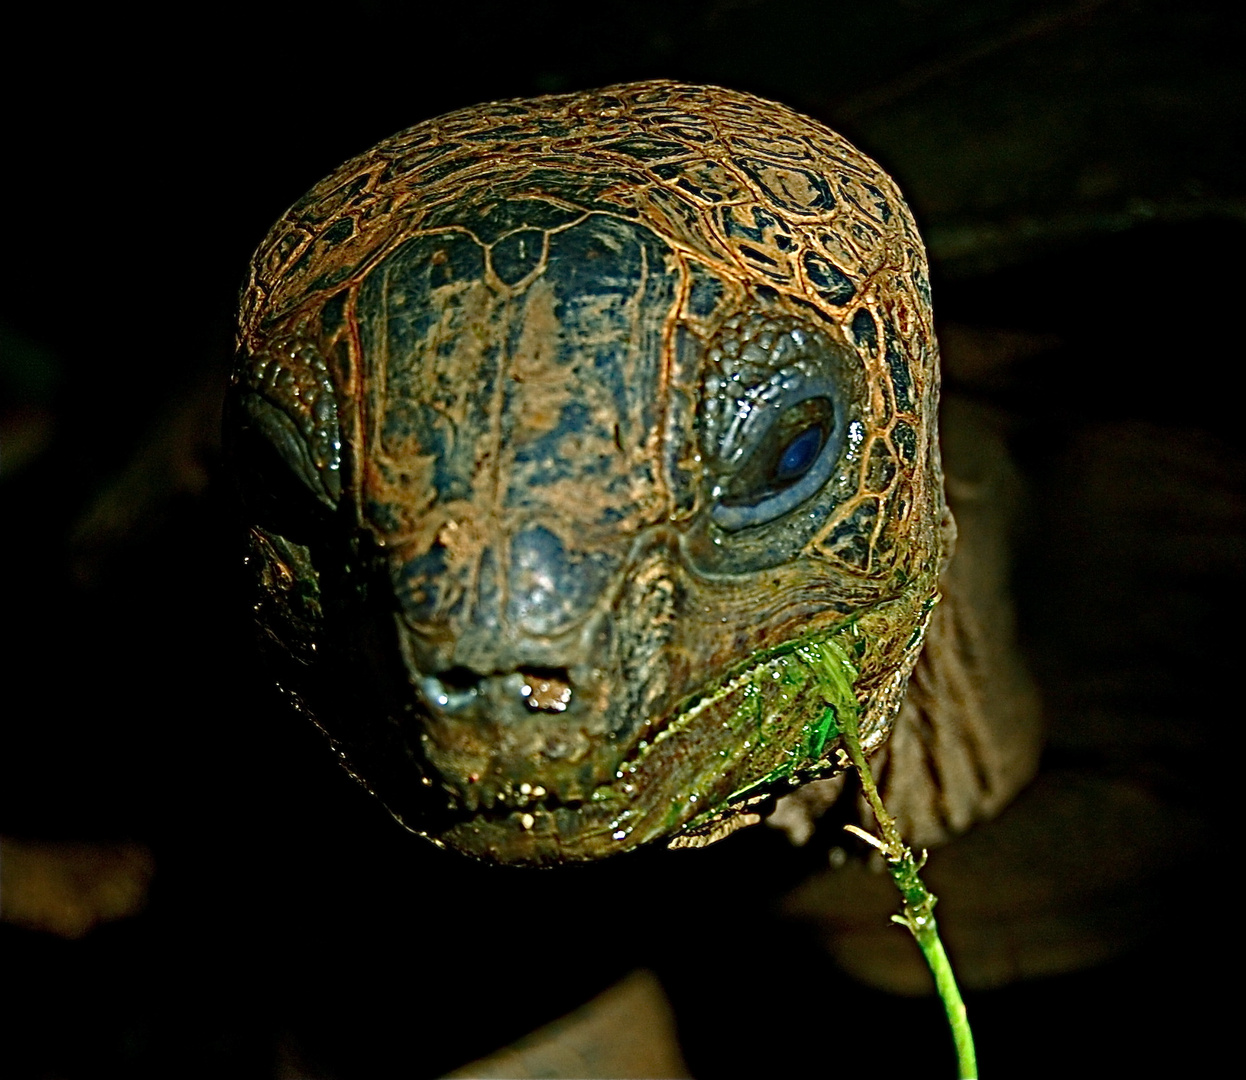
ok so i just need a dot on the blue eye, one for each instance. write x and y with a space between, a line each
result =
793 457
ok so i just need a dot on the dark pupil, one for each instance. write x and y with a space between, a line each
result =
799 454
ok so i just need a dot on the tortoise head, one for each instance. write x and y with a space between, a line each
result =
566 428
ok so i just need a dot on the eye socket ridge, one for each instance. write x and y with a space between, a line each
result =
793 454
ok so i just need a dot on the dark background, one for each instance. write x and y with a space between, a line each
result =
1077 169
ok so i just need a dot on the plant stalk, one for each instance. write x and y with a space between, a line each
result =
919 902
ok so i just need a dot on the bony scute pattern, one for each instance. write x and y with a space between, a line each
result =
632 391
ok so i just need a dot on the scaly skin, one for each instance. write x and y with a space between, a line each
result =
487 414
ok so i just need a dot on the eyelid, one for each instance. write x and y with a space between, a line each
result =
741 437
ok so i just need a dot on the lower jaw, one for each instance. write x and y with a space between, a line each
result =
540 835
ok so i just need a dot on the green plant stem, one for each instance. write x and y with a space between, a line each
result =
919 902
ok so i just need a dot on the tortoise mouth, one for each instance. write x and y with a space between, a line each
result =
624 765
765 727
557 817
536 824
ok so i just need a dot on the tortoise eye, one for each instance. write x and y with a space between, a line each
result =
792 459
275 468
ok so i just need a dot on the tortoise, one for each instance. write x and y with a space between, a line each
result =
589 450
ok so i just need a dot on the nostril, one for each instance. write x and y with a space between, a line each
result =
461 679
545 689
454 688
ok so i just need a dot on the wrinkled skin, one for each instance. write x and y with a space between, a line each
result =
562 424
